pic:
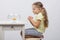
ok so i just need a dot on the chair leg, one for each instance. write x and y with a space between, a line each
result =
21 33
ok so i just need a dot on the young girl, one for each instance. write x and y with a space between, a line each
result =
40 23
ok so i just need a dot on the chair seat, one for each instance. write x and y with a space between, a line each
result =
32 39
30 36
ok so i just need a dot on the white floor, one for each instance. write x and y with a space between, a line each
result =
12 35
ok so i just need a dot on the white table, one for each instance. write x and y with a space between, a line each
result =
7 25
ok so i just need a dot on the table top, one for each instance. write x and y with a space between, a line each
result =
13 23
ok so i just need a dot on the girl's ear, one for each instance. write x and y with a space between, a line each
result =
40 9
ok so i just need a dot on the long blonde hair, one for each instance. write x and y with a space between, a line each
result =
44 13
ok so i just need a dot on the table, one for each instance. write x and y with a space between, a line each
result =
7 25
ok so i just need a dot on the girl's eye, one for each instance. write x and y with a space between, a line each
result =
33 9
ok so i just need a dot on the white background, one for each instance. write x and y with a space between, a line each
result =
24 8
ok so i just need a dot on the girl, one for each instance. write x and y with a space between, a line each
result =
40 23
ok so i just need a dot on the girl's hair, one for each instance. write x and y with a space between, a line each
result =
44 13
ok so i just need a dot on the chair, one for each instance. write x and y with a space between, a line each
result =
30 37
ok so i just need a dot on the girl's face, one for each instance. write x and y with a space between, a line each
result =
35 9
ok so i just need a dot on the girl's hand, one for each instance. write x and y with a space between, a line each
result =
30 17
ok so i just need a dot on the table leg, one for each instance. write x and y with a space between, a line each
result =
23 33
1 33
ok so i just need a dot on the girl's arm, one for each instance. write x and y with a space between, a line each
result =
35 24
